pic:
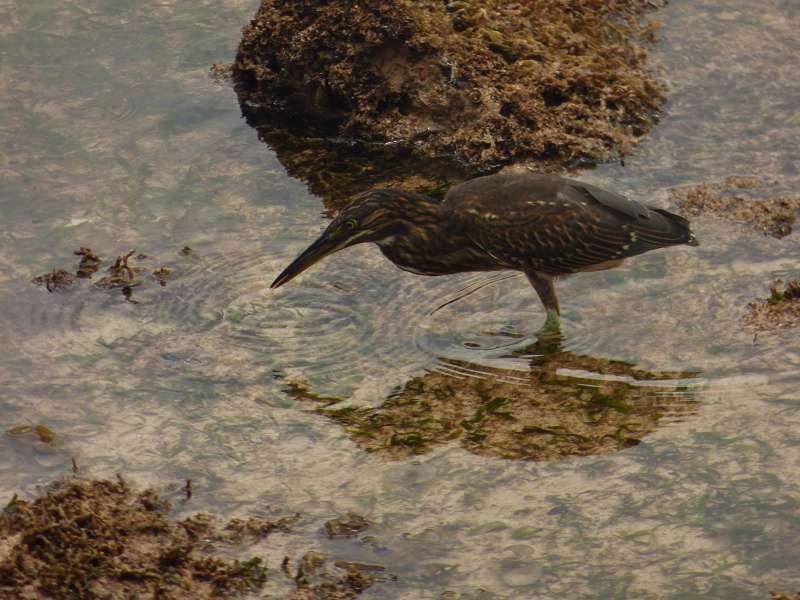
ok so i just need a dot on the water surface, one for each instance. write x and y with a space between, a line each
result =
115 137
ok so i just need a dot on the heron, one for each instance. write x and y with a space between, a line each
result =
543 225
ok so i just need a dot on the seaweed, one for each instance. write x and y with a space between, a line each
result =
100 539
772 216
57 279
121 276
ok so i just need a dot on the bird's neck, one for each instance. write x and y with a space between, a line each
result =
414 217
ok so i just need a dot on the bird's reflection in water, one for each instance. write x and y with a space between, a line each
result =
566 404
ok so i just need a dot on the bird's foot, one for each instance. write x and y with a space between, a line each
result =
551 327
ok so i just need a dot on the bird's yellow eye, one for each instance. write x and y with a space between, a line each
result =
351 223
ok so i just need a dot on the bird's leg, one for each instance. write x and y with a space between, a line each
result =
543 284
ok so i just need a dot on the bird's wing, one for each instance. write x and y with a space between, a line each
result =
555 225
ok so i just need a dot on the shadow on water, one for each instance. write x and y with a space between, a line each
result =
566 404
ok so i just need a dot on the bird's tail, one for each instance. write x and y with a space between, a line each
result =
678 229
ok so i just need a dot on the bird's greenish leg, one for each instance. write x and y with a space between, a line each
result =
543 284
551 323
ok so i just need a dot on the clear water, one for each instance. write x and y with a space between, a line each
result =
114 137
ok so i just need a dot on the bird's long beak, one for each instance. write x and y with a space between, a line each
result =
310 256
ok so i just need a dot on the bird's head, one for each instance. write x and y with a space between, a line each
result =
370 218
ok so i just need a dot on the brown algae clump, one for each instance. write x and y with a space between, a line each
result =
99 539
347 526
780 311
484 83
57 279
37 432
90 262
773 216
160 275
121 275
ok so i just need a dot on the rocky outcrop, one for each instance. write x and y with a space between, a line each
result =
485 83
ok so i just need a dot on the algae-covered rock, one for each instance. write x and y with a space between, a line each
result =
483 82
100 539
567 405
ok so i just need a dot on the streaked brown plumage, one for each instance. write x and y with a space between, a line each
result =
543 225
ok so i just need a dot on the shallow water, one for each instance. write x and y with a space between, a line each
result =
114 137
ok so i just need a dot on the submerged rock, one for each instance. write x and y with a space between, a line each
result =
567 405
773 215
337 170
484 83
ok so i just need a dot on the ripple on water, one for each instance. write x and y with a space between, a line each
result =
339 331
481 319
338 328
70 322
120 103
205 286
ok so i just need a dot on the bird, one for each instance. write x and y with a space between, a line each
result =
543 225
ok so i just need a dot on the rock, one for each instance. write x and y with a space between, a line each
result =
484 84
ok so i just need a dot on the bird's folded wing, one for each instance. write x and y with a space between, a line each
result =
575 228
